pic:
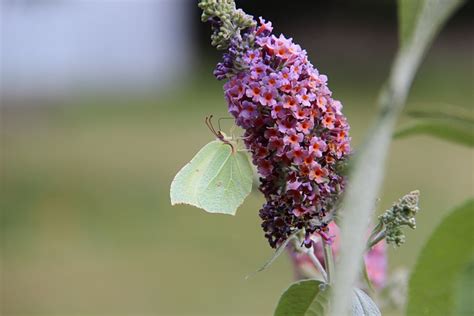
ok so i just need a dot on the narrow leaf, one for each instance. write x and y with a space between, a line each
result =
277 253
441 263
218 179
448 130
304 298
445 112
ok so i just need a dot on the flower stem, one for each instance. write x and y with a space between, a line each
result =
329 261
377 229
317 264
376 240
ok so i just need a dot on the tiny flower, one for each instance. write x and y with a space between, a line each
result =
297 154
290 103
270 132
295 70
317 146
301 113
265 28
268 97
249 110
285 125
318 173
321 102
258 71
328 121
265 167
278 111
277 145
305 97
305 126
309 160
299 211
293 185
261 151
285 76
343 149
293 138
272 81
251 56
236 91
254 91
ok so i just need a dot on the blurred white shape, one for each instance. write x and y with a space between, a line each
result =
56 47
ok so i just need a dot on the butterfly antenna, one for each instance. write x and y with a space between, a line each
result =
218 134
208 122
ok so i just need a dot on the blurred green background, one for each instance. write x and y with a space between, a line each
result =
87 226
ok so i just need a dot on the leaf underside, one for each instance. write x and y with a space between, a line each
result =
217 179
362 304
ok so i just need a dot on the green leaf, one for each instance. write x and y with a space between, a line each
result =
363 305
456 132
277 253
464 305
442 261
304 298
218 179
367 171
446 112
365 275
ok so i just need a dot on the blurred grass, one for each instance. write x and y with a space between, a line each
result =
88 229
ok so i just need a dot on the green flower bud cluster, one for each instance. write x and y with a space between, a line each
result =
227 21
401 214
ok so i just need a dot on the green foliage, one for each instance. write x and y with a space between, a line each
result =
441 263
367 172
457 133
464 305
456 114
304 298
278 251
363 305
218 179
449 122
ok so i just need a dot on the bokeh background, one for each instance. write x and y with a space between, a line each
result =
104 101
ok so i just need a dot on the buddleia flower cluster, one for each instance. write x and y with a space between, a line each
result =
401 214
294 129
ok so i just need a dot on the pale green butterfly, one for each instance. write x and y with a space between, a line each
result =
217 179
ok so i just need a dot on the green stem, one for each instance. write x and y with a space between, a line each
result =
329 261
377 229
317 264
376 240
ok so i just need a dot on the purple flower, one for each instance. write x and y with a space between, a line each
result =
297 154
268 97
293 138
294 129
317 146
254 91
